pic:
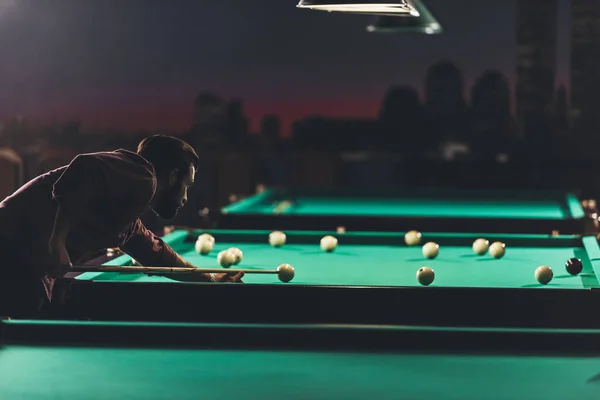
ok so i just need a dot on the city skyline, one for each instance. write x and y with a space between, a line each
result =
135 67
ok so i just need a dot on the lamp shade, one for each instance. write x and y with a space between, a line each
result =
425 23
368 7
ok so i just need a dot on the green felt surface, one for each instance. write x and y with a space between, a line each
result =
467 208
390 265
44 373
477 206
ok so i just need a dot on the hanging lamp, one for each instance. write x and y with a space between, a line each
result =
425 23
368 7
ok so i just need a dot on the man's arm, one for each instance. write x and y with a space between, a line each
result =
57 245
61 228
149 249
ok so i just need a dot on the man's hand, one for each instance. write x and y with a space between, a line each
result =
61 262
229 277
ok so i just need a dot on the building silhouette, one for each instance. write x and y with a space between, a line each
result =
536 61
237 123
270 128
210 119
446 107
401 120
491 119
562 111
334 134
585 70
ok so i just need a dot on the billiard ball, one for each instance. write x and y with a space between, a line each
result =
543 274
574 266
204 246
481 246
412 238
238 255
135 262
328 243
277 239
497 249
431 250
113 252
206 236
285 272
226 258
425 276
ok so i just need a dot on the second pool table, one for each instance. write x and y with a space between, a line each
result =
369 278
44 360
427 210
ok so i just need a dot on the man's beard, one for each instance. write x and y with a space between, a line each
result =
168 205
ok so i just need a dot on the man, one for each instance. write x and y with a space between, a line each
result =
93 203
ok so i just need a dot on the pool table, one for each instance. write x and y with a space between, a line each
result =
369 278
89 360
402 210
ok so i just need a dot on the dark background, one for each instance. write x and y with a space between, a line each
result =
271 94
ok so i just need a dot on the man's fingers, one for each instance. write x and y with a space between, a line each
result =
230 277
235 277
238 276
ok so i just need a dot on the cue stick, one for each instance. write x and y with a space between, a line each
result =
167 270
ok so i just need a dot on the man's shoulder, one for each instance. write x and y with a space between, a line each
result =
119 156
122 170
119 161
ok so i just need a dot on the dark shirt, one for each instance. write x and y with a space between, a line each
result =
103 194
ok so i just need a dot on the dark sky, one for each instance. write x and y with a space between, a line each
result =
136 64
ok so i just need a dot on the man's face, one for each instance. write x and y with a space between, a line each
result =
173 195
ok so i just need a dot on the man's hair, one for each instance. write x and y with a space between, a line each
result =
167 153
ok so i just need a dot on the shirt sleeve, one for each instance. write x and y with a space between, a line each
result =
148 249
103 174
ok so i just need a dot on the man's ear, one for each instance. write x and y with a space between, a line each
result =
173 176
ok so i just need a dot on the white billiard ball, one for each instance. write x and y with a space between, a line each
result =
285 272
431 250
277 238
425 276
543 274
239 256
113 252
206 236
226 258
328 243
497 249
135 262
412 238
204 246
481 246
